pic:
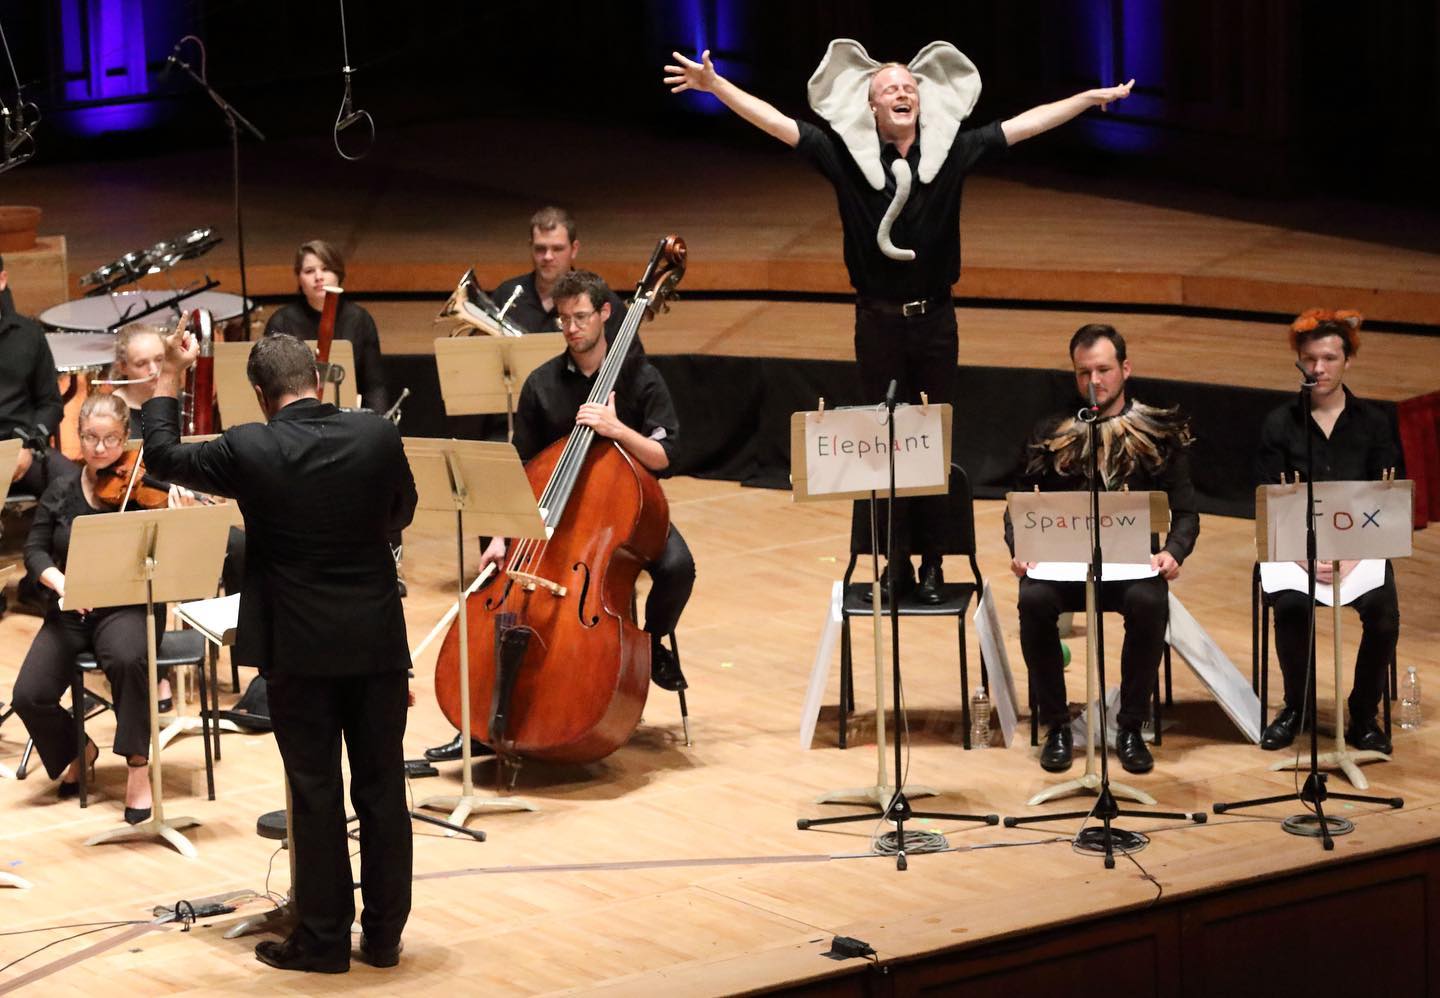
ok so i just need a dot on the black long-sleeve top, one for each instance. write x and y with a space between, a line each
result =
47 545
1172 477
352 323
1360 447
29 386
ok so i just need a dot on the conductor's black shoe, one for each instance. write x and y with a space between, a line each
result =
380 956
450 751
932 583
1058 750
1281 732
905 570
1132 751
288 955
665 669
1367 735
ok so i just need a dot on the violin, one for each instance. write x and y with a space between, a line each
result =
125 483
559 668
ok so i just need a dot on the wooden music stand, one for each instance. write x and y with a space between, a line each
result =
1072 548
237 399
1279 536
481 488
149 557
482 375
810 485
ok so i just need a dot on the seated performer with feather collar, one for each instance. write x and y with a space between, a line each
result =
1144 448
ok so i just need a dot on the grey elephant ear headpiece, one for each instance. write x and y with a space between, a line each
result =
839 92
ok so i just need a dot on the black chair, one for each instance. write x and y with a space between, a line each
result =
176 650
959 540
1261 604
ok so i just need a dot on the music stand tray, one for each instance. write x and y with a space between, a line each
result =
483 375
149 557
481 488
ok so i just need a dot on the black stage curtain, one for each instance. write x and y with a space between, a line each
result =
735 418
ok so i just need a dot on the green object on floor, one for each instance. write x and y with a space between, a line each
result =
1065 653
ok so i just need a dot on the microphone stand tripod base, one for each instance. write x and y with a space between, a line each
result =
166 829
1342 759
6 773
877 795
12 880
1090 782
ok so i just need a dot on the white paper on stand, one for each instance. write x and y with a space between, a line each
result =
1075 571
820 671
1280 576
216 618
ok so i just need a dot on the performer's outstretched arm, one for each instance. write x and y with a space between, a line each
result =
691 75
1044 117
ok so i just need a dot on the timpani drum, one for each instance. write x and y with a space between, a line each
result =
106 313
78 358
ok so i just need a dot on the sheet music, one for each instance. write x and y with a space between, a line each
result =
1074 571
1279 576
216 618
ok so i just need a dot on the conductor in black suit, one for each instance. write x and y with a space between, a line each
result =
321 618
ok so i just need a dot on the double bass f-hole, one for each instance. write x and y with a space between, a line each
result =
584 570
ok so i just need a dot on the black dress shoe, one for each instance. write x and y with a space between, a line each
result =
450 751
906 572
1281 732
288 955
137 815
380 956
932 583
165 706
1058 750
1367 735
1131 749
665 669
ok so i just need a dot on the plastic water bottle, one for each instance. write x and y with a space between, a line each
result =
980 719
1410 700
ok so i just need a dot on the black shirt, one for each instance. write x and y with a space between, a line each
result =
556 389
352 323
1360 446
29 385
1172 477
47 545
529 313
929 224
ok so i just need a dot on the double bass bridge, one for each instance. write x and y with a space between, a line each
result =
532 582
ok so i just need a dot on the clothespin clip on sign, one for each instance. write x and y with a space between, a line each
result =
821 410
924 401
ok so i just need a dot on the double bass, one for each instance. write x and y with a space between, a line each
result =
558 667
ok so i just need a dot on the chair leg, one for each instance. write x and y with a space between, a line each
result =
847 690
964 686
1394 680
1169 690
1255 634
1155 707
1034 721
684 707
212 658
23 770
205 727
77 709
1265 665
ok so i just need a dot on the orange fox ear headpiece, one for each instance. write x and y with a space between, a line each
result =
1344 323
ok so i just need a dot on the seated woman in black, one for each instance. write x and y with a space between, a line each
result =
317 263
115 635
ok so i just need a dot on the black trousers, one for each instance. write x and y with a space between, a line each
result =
1144 604
920 354
673 578
311 714
1379 611
117 639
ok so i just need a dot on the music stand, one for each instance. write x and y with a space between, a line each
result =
236 398
150 556
482 485
482 375
840 460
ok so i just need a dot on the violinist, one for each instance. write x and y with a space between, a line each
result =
317 264
640 416
115 635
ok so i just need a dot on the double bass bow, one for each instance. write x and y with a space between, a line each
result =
559 669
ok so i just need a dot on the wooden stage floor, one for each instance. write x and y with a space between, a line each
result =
674 870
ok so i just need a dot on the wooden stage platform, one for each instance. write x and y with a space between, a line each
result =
675 870
678 870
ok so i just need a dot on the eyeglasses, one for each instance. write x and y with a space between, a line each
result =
110 440
578 320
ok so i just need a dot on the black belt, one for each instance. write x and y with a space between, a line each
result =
905 309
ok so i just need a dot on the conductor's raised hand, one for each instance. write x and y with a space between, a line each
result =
181 349
691 75
1104 96
601 418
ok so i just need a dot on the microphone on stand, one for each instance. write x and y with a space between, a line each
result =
890 393
1091 412
1307 378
